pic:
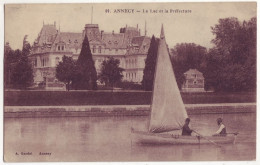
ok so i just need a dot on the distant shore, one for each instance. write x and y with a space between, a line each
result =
120 110
101 97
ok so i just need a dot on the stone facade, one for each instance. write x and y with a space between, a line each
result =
194 81
51 45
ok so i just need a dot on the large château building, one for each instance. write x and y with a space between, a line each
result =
51 45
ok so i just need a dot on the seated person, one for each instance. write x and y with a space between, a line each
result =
186 131
222 129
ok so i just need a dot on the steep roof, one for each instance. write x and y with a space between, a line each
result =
192 71
47 35
72 40
139 45
114 40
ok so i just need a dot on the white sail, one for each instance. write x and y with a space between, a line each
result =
167 109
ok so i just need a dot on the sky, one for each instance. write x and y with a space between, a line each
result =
191 27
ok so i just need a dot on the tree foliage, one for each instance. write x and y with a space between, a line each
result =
150 63
231 64
111 73
11 57
187 56
65 71
86 75
22 74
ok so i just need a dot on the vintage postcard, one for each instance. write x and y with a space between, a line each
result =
130 82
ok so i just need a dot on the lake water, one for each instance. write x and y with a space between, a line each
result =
109 139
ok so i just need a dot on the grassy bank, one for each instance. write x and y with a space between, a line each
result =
40 98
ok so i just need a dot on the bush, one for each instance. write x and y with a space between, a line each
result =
129 85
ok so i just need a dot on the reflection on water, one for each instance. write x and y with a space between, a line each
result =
109 139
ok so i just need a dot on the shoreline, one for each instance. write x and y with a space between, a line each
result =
119 110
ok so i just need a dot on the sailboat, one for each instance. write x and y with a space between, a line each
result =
168 112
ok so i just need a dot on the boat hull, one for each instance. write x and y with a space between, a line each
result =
166 138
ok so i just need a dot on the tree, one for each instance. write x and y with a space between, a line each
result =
22 75
150 63
8 53
111 72
65 71
85 69
187 56
234 56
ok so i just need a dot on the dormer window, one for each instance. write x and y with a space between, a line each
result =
116 42
60 47
109 42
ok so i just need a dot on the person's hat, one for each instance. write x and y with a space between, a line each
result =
219 120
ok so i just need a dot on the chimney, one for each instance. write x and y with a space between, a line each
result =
83 33
137 26
113 32
55 24
102 31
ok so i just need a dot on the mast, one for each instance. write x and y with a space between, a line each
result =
145 29
91 14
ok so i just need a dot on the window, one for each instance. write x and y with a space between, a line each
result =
99 49
194 82
116 50
62 48
58 47
94 49
57 59
35 62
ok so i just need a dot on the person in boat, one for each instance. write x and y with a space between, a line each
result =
186 131
222 128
